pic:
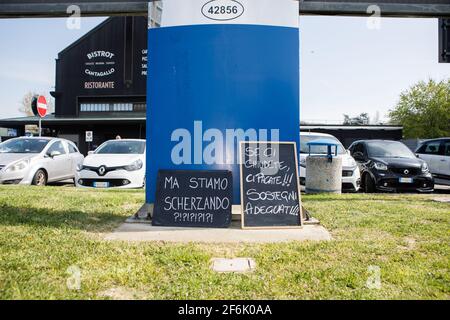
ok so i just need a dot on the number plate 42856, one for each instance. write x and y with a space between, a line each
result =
222 10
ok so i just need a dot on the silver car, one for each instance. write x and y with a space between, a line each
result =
37 161
436 154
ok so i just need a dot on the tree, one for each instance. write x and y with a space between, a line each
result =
362 119
25 104
424 110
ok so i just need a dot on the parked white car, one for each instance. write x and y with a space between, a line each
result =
38 161
351 177
436 153
114 164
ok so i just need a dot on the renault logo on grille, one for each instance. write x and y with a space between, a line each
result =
102 170
406 171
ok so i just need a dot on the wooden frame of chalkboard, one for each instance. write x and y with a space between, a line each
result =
297 183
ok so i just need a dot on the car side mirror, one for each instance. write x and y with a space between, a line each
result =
55 154
90 152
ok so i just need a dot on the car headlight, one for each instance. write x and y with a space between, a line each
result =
136 165
79 167
353 163
380 166
18 166
425 167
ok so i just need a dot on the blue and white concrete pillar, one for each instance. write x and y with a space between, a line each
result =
219 71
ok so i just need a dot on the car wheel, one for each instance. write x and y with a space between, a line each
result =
369 184
40 178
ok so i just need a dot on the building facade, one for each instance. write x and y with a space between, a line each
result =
100 85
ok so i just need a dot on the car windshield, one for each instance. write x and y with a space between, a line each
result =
388 149
304 140
122 147
23 146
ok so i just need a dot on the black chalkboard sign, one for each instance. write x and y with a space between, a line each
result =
193 199
270 192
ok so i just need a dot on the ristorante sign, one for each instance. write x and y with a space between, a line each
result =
100 64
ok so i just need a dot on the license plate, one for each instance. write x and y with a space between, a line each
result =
101 184
406 180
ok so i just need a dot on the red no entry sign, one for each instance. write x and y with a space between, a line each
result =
42 106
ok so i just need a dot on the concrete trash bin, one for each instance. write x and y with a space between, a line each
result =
323 172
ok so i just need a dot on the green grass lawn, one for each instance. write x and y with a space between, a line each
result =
47 232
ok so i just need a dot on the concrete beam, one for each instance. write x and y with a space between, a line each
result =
42 8
99 8
344 8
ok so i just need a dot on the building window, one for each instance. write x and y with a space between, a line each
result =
112 107
122 107
94 107
140 107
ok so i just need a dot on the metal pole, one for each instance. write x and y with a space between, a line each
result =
40 126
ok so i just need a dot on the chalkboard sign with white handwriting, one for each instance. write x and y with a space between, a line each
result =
193 198
270 193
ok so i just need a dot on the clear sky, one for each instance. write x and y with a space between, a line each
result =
346 67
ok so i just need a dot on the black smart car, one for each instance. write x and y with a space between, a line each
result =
390 166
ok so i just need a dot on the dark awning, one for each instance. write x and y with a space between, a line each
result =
52 120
